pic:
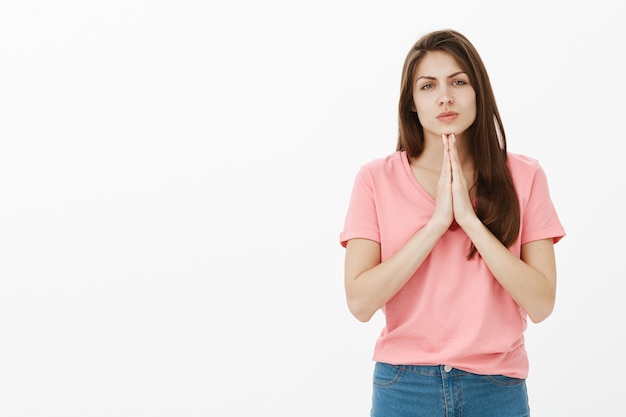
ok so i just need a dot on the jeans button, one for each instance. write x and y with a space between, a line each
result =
447 368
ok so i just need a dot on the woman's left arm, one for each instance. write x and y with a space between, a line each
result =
529 279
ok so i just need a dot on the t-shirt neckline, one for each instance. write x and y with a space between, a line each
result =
412 179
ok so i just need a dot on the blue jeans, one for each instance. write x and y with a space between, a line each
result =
441 391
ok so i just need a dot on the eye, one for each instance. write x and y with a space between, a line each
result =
427 86
459 82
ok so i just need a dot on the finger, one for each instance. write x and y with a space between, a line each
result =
452 142
454 157
445 167
448 139
445 177
455 164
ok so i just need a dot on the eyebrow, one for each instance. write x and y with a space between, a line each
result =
429 77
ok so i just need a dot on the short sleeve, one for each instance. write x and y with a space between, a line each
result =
539 217
361 219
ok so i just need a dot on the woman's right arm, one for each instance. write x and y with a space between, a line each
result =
370 283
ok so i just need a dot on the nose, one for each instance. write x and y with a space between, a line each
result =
445 97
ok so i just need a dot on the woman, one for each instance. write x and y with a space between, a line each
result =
452 237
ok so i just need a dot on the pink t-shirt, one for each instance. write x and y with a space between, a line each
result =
452 311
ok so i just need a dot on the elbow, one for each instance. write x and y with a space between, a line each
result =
541 313
363 318
542 306
360 311
538 318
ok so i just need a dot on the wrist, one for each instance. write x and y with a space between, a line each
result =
471 224
436 227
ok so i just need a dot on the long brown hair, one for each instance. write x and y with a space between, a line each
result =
497 203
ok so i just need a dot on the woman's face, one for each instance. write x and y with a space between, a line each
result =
444 99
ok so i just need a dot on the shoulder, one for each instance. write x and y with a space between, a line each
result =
527 174
389 164
383 171
519 162
523 167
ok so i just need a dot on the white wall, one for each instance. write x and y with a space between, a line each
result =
174 176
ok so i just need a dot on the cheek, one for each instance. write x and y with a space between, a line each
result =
424 111
471 100
473 110
425 119
419 105
469 103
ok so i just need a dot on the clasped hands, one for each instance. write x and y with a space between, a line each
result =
453 197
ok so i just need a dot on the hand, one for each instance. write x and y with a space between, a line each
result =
443 215
461 203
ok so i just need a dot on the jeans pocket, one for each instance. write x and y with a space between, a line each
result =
503 380
386 375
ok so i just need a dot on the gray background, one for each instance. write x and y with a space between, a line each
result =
174 177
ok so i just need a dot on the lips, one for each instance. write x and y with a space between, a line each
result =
447 116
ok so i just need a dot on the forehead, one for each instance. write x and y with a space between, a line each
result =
437 64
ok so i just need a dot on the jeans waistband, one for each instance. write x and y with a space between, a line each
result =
433 370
